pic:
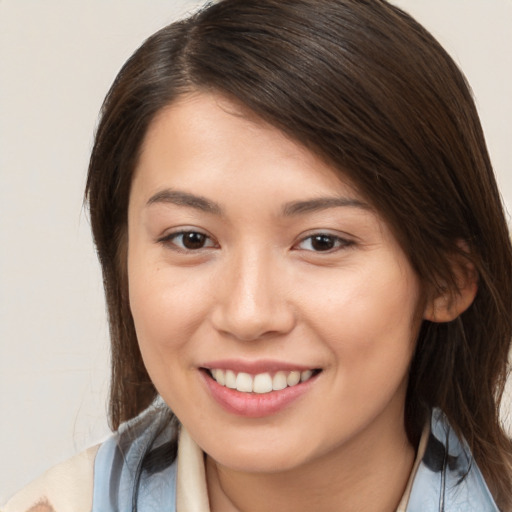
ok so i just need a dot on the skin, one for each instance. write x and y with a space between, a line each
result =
259 290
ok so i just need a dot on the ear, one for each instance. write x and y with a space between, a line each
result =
448 305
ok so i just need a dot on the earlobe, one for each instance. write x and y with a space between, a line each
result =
447 306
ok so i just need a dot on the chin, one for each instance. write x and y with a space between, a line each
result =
259 461
261 452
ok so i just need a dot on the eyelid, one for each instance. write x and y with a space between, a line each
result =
168 239
343 240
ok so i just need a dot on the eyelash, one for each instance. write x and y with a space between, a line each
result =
170 240
337 242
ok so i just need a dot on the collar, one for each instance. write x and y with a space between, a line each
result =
191 489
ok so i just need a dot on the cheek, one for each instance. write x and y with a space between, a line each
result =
163 324
371 331
370 323
166 309
362 302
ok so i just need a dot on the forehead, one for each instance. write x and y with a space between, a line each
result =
200 133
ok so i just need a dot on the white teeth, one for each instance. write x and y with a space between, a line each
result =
293 378
244 382
218 375
260 383
230 379
306 375
279 381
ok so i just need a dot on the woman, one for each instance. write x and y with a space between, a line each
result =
306 260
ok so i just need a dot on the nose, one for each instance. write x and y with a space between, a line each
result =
252 301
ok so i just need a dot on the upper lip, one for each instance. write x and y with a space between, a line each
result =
255 367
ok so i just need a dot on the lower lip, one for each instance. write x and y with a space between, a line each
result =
255 405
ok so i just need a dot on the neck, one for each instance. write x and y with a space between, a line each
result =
368 473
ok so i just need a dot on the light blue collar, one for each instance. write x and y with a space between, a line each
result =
125 472
448 479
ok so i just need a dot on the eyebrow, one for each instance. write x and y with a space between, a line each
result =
180 198
322 203
291 209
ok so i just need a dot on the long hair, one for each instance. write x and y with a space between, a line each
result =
368 89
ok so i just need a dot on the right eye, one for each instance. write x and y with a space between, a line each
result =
188 240
324 243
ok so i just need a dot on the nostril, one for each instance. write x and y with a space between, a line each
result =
253 324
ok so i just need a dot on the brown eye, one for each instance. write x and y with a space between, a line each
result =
187 241
193 240
323 242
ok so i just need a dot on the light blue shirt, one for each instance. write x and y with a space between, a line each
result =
126 471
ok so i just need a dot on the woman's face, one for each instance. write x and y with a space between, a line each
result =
253 265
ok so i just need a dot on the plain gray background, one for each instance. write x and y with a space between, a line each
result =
57 60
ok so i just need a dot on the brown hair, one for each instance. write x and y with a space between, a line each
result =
367 88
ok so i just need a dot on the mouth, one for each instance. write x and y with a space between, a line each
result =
260 383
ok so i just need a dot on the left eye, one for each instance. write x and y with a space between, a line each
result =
189 240
322 242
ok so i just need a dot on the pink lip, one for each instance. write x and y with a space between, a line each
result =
255 405
254 367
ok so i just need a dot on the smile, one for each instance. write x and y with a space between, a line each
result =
257 389
262 382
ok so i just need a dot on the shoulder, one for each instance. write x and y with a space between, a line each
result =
67 486
138 462
140 456
448 474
